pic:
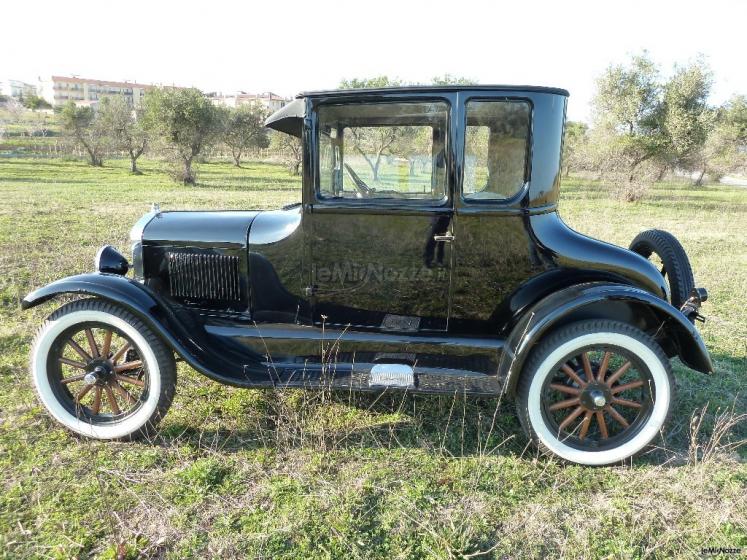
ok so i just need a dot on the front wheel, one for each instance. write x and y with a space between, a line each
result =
102 373
595 392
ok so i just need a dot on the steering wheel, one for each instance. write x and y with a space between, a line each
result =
363 189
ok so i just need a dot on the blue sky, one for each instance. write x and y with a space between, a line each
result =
289 46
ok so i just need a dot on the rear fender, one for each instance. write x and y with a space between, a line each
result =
671 329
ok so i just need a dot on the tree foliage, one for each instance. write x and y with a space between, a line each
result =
34 102
124 124
725 149
575 146
185 122
451 80
645 125
687 119
375 82
243 129
86 129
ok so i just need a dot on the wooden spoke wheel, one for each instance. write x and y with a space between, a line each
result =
598 397
101 372
595 392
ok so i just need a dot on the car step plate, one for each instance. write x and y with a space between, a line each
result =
391 375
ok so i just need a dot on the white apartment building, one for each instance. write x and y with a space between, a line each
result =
60 89
17 89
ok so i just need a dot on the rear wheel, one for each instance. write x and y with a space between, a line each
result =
101 372
667 254
595 392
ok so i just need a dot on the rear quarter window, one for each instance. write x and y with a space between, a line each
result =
496 149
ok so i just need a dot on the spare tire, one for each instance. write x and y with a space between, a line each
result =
671 257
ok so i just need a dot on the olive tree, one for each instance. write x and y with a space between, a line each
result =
574 146
644 125
290 150
449 80
373 143
374 82
185 122
627 113
725 148
687 119
87 129
34 102
243 129
125 127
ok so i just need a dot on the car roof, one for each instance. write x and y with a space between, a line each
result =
434 89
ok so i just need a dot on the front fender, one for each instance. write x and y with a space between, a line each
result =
113 287
603 301
181 332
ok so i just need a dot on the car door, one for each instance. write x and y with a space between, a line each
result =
380 215
494 251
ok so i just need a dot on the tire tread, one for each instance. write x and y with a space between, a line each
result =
674 257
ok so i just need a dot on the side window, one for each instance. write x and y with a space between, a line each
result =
383 151
495 149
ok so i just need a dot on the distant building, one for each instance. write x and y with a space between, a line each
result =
60 89
17 89
269 100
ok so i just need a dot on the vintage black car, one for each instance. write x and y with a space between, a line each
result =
427 254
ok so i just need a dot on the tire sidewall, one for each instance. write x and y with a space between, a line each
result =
647 432
40 353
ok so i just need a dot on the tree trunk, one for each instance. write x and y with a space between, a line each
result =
412 167
187 177
296 166
236 157
699 180
375 168
133 163
94 158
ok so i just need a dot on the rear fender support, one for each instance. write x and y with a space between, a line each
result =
677 335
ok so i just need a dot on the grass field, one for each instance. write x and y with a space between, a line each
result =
240 473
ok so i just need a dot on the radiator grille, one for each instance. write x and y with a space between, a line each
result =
207 276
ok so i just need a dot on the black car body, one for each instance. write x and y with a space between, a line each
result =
439 290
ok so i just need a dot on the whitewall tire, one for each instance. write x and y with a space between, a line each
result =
596 392
101 372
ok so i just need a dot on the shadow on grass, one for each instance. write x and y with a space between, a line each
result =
297 418
450 425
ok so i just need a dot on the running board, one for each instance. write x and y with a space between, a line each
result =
306 356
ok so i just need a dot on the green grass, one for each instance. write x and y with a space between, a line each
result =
240 473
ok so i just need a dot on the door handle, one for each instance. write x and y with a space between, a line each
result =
446 237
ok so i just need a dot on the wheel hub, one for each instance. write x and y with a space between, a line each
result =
98 370
595 396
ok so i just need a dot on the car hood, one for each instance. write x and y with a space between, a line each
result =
215 229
